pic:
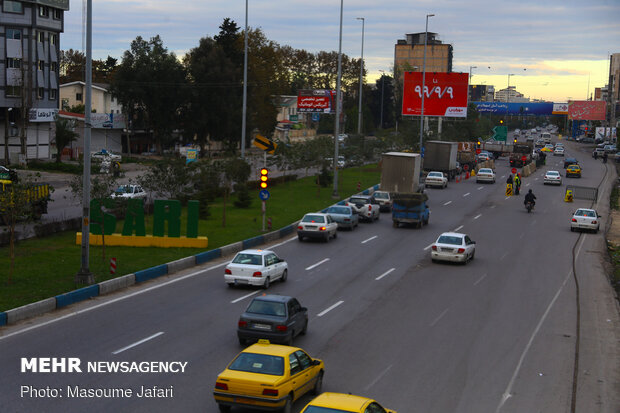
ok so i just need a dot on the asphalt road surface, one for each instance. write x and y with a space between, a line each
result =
530 325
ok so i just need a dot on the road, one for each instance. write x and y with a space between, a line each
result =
497 335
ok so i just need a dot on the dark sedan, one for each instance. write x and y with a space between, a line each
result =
570 161
278 318
343 215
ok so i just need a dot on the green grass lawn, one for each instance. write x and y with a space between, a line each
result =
46 267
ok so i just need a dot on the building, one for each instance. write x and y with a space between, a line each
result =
102 101
510 94
29 64
409 54
481 93
613 88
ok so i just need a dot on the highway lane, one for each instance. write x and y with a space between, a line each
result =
413 328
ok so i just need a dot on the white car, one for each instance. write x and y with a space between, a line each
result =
384 200
558 151
104 154
436 179
485 175
453 246
317 225
552 177
255 267
366 206
585 218
129 192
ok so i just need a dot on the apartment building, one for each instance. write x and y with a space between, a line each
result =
409 53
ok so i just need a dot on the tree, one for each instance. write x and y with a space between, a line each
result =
235 170
170 178
63 136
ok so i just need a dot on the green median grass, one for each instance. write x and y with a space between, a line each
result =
46 267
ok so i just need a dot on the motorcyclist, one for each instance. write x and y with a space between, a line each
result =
530 197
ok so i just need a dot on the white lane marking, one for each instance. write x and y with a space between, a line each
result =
440 317
317 264
385 273
456 229
379 377
322 313
243 298
492 206
448 203
369 239
503 176
477 216
480 279
507 393
467 194
428 246
507 197
503 256
137 343
527 184
536 179
522 235
482 187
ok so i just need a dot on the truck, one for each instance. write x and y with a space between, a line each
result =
497 148
400 176
521 154
466 155
440 156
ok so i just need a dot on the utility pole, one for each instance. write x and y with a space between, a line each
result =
338 98
359 111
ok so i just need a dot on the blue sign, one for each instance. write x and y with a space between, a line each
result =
515 108
422 152
316 117
264 194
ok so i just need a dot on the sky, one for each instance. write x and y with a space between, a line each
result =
553 49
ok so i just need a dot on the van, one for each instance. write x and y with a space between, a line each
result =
546 137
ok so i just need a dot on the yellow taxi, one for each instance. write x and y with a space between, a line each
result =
268 376
341 403
573 170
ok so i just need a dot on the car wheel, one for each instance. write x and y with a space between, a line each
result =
267 283
326 237
289 341
300 238
473 254
395 224
318 385
572 229
433 260
284 275
242 341
305 329
223 408
335 235
288 405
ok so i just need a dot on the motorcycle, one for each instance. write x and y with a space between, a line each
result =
529 206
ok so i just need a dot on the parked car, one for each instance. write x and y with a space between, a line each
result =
610 148
343 215
255 267
570 161
598 152
453 246
105 154
585 218
343 403
384 200
435 178
317 225
366 206
129 192
268 376
552 177
485 175
573 170
278 318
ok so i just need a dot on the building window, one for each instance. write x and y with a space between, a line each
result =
57 14
41 65
41 37
54 67
9 6
78 97
13 63
64 104
53 39
44 11
52 94
13 34
13 91
40 92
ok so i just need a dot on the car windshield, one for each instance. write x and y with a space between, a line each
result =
248 259
339 210
123 189
381 195
585 213
313 218
450 239
258 363
267 308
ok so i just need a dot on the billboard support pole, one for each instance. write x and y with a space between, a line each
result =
338 97
423 91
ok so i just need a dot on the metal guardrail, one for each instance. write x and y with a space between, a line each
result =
583 192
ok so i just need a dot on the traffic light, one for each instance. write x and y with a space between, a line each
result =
263 177
501 121
478 144
515 140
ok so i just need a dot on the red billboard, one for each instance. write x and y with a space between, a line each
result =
316 100
587 110
445 94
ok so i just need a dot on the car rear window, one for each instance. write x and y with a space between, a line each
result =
354 200
339 210
552 173
584 213
313 218
258 363
381 195
267 308
435 174
249 259
448 239
485 171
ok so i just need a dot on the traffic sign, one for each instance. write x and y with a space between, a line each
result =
265 144
478 151
500 133
465 167
513 170
264 195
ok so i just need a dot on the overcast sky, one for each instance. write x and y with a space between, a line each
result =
564 45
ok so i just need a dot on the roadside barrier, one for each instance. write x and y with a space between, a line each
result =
508 189
568 197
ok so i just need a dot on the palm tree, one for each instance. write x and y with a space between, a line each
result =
64 136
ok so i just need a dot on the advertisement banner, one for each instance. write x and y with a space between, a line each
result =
316 100
516 108
587 110
107 120
445 94
605 133
560 109
42 115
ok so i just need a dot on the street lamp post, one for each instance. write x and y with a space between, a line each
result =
359 112
382 87
338 97
423 87
245 82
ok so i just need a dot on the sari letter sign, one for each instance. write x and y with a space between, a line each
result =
445 94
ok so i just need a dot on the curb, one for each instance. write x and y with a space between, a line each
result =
109 286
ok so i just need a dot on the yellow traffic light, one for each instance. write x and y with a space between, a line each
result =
515 140
501 121
263 177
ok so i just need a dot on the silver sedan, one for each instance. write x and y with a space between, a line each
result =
453 246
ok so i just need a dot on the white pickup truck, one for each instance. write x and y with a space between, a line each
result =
435 178
366 206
